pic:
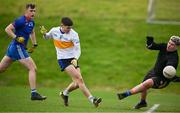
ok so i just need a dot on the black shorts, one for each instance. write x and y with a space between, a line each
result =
159 81
63 63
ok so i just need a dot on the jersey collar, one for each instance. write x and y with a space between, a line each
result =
61 31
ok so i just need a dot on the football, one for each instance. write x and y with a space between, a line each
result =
169 72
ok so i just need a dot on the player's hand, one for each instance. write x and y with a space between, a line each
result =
31 50
43 30
150 40
74 62
20 39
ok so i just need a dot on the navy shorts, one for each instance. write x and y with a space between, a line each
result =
17 52
63 63
159 81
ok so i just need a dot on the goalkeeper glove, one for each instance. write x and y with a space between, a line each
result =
31 50
43 30
74 62
20 39
150 40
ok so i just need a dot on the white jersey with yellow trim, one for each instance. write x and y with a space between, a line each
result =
67 44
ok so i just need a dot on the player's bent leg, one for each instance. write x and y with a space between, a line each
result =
96 101
142 87
143 95
5 63
65 98
64 94
140 105
76 76
73 86
139 88
142 102
31 66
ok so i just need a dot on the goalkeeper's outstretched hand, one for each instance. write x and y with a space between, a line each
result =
150 40
74 62
31 49
43 30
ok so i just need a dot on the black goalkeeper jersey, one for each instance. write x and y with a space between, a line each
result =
164 57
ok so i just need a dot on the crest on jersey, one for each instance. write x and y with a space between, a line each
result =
30 24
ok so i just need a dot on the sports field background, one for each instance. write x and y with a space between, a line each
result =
114 57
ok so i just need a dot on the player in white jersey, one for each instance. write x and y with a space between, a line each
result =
67 44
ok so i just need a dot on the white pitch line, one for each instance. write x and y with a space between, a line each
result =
152 108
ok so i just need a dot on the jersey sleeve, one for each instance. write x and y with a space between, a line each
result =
19 23
77 48
155 46
49 34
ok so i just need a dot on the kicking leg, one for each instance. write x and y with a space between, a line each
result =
72 86
76 76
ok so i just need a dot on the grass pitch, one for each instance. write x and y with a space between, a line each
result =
17 99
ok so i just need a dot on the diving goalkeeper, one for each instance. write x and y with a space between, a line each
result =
168 55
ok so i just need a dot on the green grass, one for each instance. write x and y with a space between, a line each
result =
114 56
112 34
17 99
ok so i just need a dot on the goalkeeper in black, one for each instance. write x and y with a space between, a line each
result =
167 55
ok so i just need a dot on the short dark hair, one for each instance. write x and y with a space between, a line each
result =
30 5
66 21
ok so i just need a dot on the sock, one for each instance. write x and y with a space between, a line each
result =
66 92
33 91
91 98
127 93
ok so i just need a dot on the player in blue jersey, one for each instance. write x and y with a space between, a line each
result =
21 30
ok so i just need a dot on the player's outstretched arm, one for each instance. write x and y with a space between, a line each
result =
149 41
150 44
43 31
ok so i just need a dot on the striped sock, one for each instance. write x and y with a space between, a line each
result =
33 91
127 93
66 92
91 98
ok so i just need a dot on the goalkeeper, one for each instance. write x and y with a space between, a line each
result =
168 55
66 42
20 31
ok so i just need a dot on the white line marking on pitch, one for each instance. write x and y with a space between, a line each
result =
152 108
